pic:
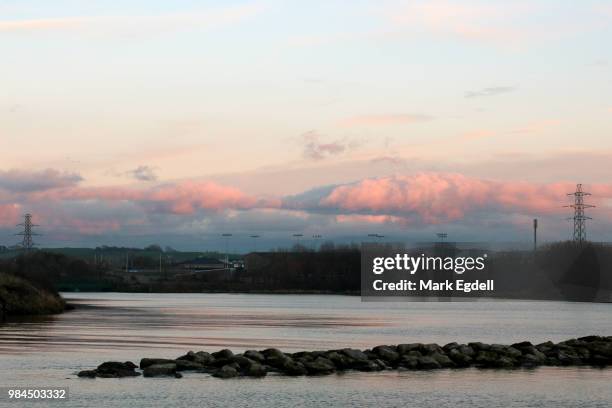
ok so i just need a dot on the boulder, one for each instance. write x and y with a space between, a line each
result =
87 374
486 359
160 370
504 362
278 360
200 357
431 348
186 365
242 361
405 348
443 360
320 365
224 354
146 362
295 368
255 370
272 352
459 358
478 346
226 371
428 363
354 354
387 353
366 365
410 362
116 369
255 356
341 361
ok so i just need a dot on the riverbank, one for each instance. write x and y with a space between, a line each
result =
585 351
19 297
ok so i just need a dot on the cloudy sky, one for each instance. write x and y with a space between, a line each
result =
133 122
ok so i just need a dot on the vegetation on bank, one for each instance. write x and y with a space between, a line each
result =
19 296
557 271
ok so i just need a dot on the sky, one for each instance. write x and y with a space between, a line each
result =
139 122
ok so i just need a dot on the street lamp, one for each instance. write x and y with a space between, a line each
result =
315 237
297 237
255 241
226 236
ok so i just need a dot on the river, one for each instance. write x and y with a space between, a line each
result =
48 352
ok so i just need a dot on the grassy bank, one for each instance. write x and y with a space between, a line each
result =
20 297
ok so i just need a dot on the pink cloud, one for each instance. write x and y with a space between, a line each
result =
182 198
441 197
10 214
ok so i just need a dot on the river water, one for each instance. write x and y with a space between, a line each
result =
118 326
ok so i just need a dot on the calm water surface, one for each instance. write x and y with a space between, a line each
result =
117 326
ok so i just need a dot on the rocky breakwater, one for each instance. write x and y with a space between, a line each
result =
584 351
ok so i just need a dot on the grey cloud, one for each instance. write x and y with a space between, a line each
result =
24 181
143 173
315 149
491 91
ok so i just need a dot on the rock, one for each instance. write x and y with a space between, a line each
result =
478 346
159 370
366 365
467 350
428 363
382 365
272 352
354 354
87 374
200 357
224 354
116 369
530 360
226 371
486 358
256 370
568 357
387 353
295 368
450 346
278 361
545 347
146 362
178 375
255 356
341 361
242 361
320 365
512 352
431 348
459 358
590 339
408 361
522 345
504 362
405 348
443 360
186 365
